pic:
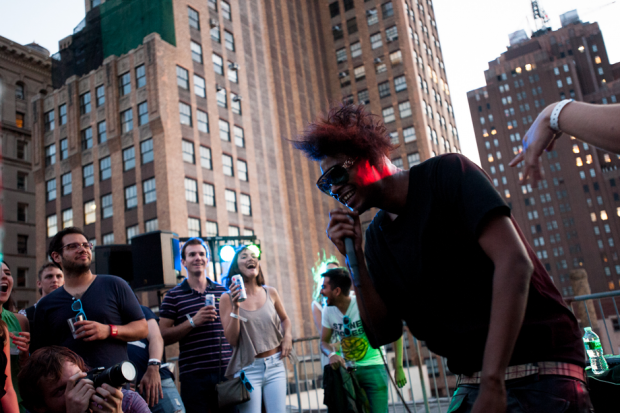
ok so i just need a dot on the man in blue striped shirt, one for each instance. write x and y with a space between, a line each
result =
185 319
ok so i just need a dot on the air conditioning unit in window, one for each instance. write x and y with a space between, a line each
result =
213 23
218 88
337 28
378 60
391 38
342 75
371 12
365 102
236 98
233 66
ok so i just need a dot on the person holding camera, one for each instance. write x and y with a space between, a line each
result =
54 380
93 315
184 318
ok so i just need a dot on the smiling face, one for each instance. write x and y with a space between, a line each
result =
328 292
196 260
6 284
76 260
51 279
248 264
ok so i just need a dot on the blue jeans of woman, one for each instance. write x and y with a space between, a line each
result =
268 377
171 403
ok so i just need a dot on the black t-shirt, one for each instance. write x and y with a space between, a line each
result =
138 351
430 270
108 300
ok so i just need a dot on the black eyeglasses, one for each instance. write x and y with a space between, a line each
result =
75 245
336 175
346 322
245 381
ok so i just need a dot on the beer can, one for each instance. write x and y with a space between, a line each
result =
210 300
238 279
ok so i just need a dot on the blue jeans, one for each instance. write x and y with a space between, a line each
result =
546 393
268 377
199 394
171 403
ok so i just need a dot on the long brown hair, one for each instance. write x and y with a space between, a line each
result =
4 331
234 269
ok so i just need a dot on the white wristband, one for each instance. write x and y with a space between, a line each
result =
238 317
555 114
333 353
155 361
189 318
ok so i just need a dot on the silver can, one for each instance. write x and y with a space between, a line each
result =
238 279
210 300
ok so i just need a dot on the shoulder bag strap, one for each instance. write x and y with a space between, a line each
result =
219 369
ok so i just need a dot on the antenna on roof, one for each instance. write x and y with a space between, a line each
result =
539 14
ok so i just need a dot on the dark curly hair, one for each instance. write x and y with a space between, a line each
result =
346 130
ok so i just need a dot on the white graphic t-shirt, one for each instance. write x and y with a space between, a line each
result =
355 346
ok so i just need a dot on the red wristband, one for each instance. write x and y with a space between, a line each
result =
113 331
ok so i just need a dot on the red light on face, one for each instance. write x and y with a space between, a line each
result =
366 174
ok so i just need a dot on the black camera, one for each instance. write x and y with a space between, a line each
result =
116 376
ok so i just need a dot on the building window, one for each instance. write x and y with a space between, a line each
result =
100 93
242 170
405 109
151 225
102 135
400 83
337 32
387 9
22 178
409 134
229 40
215 33
19 91
376 41
239 137
233 231
185 114
67 218
394 138
220 97
205 157
334 9
48 121
131 232
388 115
146 151
246 205
225 10
188 151
108 239
199 87
50 189
196 52
90 215
22 149
352 26
413 159
362 97
211 229
233 75
194 20
193 227
52 225
384 89
105 168
107 209
224 130
50 154
182 78
373 17
231 200
235 103
398 162
359 72
396 58
126 121
87 138
124 84
149 191
129 159
208 194
64 148
131 197
143 114
66 180
140 77
62 113
391 34
218 64
341 55
345 79
88 174
227 164
22 212
191 190
203 121
84 104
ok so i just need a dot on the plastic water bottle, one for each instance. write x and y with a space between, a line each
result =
595 351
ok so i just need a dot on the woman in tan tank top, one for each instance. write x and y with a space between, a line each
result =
260 333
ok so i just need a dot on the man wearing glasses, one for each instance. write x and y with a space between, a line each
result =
341 317
102 308
445 255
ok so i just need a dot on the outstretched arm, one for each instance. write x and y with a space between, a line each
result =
399 373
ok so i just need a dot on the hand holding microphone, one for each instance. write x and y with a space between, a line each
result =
345 231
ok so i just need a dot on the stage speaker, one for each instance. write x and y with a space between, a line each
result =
114 260
156 260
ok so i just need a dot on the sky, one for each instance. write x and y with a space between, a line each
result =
472 33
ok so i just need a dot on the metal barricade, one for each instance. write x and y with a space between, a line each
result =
602 317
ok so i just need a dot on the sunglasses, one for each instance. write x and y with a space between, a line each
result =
245 381
77 306
346 322
336 175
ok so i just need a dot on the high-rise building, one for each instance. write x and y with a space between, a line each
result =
572 217
152 94
24 73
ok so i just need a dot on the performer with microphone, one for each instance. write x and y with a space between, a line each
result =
444 254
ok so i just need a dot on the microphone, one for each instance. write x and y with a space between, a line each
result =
352 258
